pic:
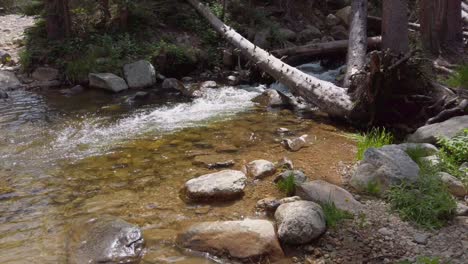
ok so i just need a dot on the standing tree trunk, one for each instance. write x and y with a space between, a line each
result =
58 23
357 46
395 26
328 97
453 37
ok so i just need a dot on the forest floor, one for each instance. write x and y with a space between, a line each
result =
12 29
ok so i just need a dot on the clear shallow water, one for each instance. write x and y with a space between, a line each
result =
95 153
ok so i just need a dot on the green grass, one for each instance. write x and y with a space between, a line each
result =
427 202
375 138
460 78
334 215
423 260
287 185
373 188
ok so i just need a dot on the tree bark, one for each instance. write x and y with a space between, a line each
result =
325 48
328 97
357 46
58 23
395 26
453 37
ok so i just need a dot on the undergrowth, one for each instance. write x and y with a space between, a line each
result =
453 153
334 215
287 185
376 138
423 260
460 78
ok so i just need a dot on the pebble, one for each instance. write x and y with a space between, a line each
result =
421 238
385 231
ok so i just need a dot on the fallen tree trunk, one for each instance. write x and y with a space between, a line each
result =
325 48
357 46
328 97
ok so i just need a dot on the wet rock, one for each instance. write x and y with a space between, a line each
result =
421 238
384 167
45 74
295 144
332 20
454 185
8 80
223 185
270 98
174 84
344 14
105 239
247 240
233 80
208 85
323 192
214 161
299 176
260 169
107 81
139 74
141 96
309 34
447 129
73 91
300 222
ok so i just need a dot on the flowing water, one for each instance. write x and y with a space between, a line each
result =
63 157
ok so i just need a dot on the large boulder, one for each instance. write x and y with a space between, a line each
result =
300 222
247 240
45 74
323 192
223 185
8 80
447 129
139 74
107 81
384 167
260 169
454 185
105 239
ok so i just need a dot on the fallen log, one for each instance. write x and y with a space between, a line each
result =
325 48
327 96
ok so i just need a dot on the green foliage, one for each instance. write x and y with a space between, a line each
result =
427 202
25 59
457 147
375 138
33 8
423 260
459 78
334 215
287 185
416 154
373 188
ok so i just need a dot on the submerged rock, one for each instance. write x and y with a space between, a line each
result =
323 192
223 185
105 239
446 129
139 74
107 81
454 185
295 144
214 161
384 167
300 222
247 240
260 169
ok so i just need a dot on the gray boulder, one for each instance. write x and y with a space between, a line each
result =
105 239
446 129
454 185
107 81
270 98
309 34
247 240
45 74
323 192
227 184
332 20
300 222
383 168
344 14
8 80
139 74
260 169
299 176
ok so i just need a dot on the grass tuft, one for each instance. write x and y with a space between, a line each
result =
287 185
460 78
334 215
416 154
375 138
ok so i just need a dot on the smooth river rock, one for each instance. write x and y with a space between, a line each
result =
8 80
454 185
300 222
295 144
107 81
260 169
447 129
323 192
384 167
139 74
223 185
247 240
105 239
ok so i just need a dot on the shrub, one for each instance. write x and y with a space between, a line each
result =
287 185
375 138
459 78
334 215
452 154
427 202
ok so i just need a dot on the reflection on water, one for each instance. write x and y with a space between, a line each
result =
64 157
